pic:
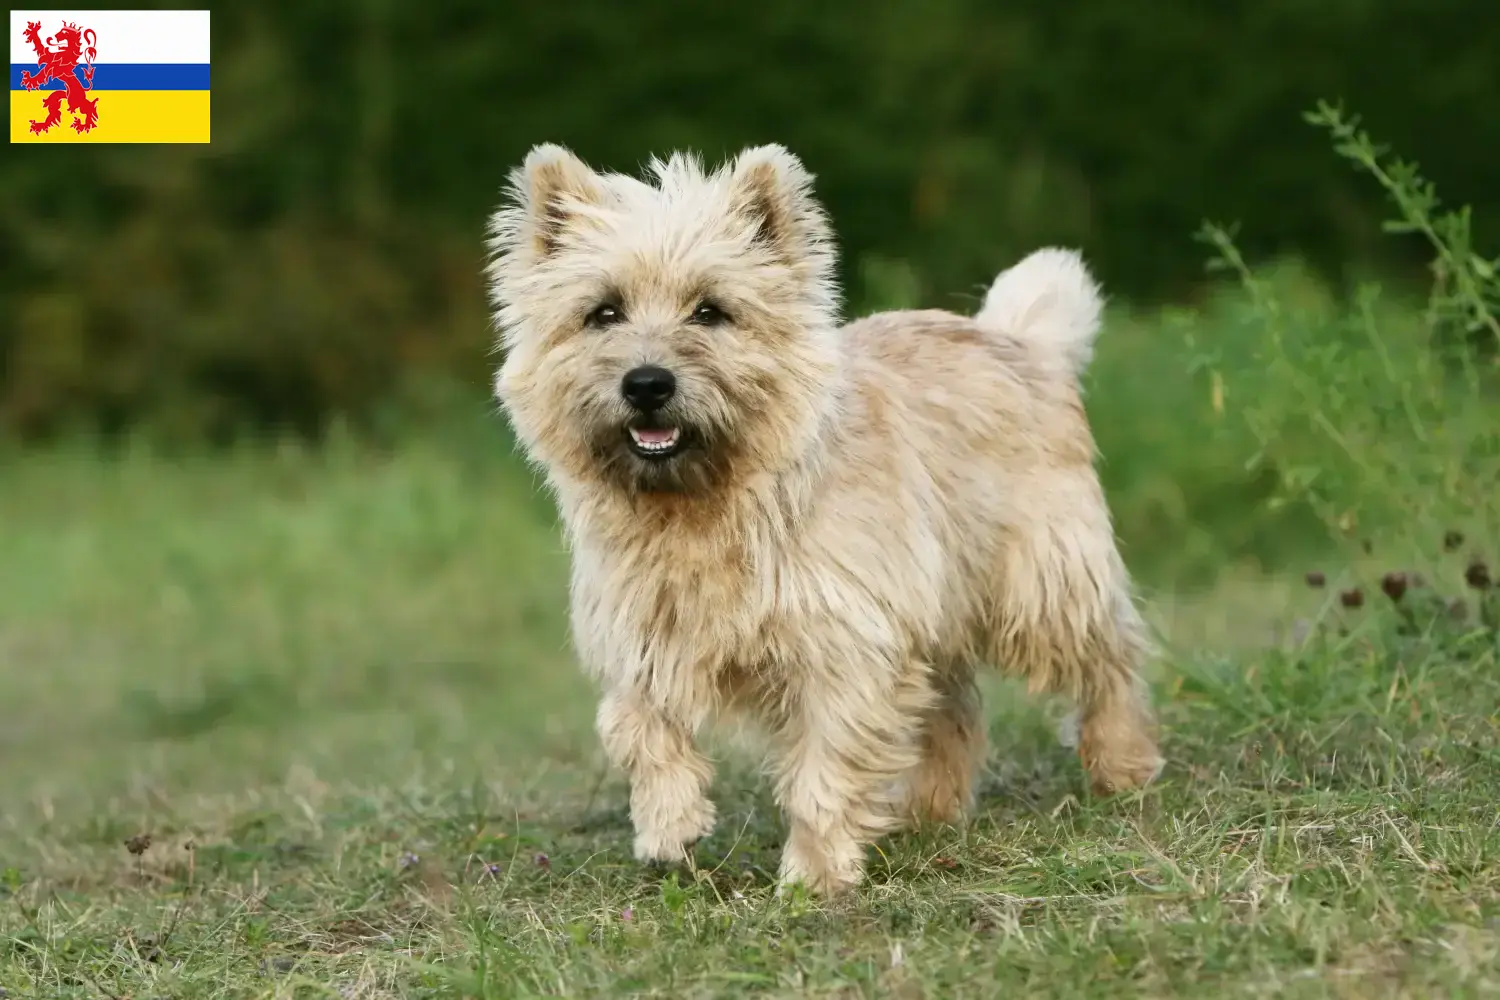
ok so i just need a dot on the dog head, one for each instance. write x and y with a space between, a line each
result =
668 335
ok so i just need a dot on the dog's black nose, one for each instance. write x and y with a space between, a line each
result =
648 387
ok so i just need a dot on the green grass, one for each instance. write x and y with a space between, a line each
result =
333 688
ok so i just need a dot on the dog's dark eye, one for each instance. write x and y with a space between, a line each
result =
708 314
605 315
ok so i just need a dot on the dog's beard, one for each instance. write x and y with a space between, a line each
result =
661 453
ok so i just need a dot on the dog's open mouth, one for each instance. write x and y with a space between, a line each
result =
654 442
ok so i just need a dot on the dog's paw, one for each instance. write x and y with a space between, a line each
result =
668 842
1111 777
826 882
826 873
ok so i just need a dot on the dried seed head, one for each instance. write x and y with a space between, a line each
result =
1352 598
1394 585
1316 579
1478 575
138 844
542 861
1452 541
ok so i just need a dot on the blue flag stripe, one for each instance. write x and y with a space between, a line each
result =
127 76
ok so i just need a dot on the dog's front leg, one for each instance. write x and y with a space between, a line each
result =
668 776
849 737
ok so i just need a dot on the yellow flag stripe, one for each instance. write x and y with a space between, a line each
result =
124 116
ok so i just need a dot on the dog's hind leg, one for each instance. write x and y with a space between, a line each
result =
940 788
1067 623
1116 738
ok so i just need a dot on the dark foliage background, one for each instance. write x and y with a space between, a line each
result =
321 256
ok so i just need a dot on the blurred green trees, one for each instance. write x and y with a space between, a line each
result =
325 248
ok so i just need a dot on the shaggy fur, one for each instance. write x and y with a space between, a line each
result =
857 518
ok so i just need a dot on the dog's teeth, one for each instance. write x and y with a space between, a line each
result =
655 444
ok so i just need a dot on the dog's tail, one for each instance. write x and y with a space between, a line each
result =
1049 302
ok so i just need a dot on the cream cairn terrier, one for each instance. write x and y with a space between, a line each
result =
828 528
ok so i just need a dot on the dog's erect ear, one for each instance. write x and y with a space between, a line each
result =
773 190
549 188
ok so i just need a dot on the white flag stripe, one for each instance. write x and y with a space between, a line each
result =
124 36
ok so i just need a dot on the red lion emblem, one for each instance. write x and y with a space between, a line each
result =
56 59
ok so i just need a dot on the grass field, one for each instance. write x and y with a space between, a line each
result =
333 689
303 723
